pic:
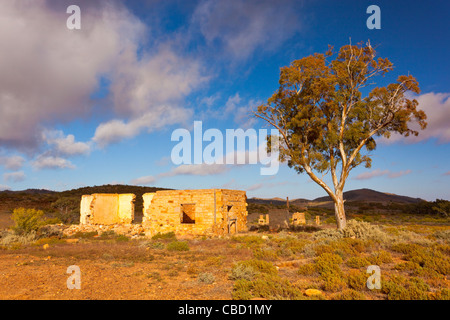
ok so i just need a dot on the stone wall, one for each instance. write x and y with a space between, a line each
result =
185 212
195 212
107 209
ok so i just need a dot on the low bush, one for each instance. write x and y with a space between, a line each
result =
12 240
178 246
380 257
357 262
355 230
308 269
241 271
206 277
401 288
356 280
259 266
267 286
349 294
27 220
167 236
267 254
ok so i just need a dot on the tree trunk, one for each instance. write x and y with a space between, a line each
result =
339 210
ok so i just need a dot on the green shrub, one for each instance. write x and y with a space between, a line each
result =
442 235
444 294
328 234
356 279
206 277
328 263
400 288
9 239
27 220
380 257
328 266
267 254
357 262
364 230
349 294
266 286
167 235
156 245
355 230
178 246
333 282
85 235
241 271
259 266
307 269
248 239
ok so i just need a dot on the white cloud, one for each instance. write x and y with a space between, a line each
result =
183 170
12 162
379 173
244 26
52 162
437 108
143 180
65 145
47 72
14 176
116 130
196 170
3 187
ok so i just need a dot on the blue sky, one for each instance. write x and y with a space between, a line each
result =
98 105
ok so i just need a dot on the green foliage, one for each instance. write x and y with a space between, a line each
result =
380 257
437 207
27 220
67 209
401 288
257 208
248 239
266 286
307 269
328 266
265 254
356 279
206 277
427 258
259 266
241 271
325 121
357 262
167 236
178 246
12 240
349 294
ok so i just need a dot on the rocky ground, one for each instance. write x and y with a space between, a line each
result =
325 264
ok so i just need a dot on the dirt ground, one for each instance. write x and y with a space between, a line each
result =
112 270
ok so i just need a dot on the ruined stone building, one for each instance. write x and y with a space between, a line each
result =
184 212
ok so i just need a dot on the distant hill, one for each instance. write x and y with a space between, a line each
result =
30 191
43 199
370 195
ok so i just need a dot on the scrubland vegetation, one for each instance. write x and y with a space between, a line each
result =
413 255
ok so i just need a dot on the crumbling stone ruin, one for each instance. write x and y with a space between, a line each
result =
298 218
195 212
209 212
263 221
106 208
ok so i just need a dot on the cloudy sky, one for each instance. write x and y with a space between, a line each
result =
98 105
